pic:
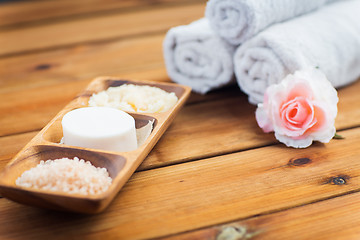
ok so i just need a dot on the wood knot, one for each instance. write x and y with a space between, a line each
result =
42 67
299 162
338 180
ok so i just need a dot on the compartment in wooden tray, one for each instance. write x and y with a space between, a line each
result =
104 83
120 165
30 157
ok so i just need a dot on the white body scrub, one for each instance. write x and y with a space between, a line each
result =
100 128
135 98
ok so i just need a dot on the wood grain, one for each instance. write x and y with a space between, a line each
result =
23 13
215 128
52 49
123 57
319 220
212 191
103 28
349 100
11 145
31 110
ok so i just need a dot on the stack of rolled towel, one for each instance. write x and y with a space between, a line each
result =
256 43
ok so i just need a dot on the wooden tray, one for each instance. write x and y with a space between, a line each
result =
120 165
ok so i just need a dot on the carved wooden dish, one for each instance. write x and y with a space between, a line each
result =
120 165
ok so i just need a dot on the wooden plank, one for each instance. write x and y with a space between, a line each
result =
93 29
349 102
214 127
333 219
30 110
23 13
11 145
123 57
194 195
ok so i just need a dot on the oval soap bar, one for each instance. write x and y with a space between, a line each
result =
100 128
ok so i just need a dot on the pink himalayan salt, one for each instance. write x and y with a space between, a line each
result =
72 176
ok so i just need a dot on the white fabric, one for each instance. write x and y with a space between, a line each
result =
238 20
328 38
195 56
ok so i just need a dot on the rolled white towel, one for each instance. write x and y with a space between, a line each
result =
328 38
195 56
238 20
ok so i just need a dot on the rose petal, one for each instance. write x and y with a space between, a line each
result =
324 130
324 136
263 120
296 116
295 143
300 89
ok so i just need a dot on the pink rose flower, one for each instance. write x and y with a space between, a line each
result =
300 109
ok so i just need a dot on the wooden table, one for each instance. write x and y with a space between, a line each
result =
213 173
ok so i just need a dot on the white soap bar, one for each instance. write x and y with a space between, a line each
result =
100 128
